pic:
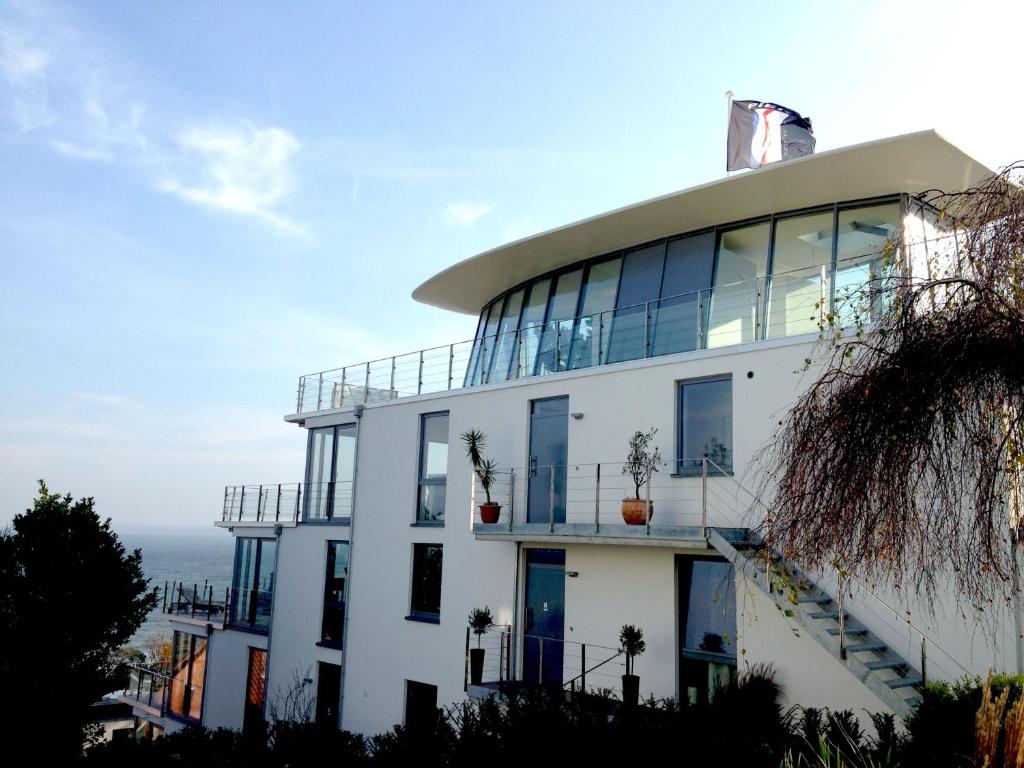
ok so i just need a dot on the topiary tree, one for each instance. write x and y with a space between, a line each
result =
70 596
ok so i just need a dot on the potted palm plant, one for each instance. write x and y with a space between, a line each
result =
486 471
640 463
480 620
631 642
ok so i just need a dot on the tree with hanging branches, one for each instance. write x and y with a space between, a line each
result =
902 462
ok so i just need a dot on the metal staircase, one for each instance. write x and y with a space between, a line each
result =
885 673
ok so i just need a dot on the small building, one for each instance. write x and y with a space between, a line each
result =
692 314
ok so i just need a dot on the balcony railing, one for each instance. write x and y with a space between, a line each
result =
196 601
288 502
586 500
785 304
250 609
513 660
148 685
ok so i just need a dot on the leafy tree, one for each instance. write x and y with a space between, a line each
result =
70 596
904 459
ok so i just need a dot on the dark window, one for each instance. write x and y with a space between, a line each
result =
641 282
591 332
426 582
705 425
433 471
680 318
188 674
420 706
255 691
333 623
557 336
328 695
329 473
252 583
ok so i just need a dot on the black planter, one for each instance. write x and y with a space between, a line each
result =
630 690
476 665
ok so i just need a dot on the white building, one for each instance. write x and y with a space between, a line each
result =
692 313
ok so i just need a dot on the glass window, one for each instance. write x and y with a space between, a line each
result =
433 473
640 284
329 472
557 336
333 623
741 266
481 354
255 692
705 425
801 283
679 321
328 695
252 583
590 342
707 593
426 582
505 344
188 675
864 235
344 472
532 327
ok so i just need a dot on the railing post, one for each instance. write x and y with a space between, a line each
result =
165 595
320 392
511 497
209 601
583 668
924 660
647 505
704 497
600 336
259 504
451 363
366 385
508 653
551 498
700 320
277 512
341 400
647 330
391 387
298 396
298 502
465 665
419 384
597 500
842 620
757 309
195 593
241 505
558 345
224 511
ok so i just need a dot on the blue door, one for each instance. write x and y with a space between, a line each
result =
549 443
545 616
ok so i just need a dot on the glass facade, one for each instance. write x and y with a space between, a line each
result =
188 675
252 583
780 275
433 471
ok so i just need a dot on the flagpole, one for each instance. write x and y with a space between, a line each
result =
728 118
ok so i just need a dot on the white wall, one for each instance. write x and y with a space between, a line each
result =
227 670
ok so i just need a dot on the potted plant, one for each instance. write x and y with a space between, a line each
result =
486 471
480 620
640 463
631 642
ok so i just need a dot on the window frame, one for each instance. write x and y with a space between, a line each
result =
421 478
249 620
334 604
329 516
680 471
417 565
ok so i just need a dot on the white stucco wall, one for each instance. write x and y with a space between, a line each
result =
227 671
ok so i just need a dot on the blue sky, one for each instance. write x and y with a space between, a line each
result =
202 201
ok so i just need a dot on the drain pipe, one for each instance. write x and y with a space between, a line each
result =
357 411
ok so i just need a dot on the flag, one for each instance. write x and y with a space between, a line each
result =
761 132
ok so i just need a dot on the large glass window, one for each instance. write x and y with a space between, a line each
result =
705 425
639 287
330 472
801 282
426 582
590 341
252 583
433 477
333 624
865 237
505 344
557 337
482 363
532 328
740 269
188 675
707 593
679 322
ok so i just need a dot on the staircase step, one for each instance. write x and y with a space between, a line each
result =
904 682
849 631
886 664
828 615
862 647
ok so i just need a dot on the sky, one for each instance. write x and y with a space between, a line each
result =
202 201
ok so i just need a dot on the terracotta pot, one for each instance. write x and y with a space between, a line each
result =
489 513
633 511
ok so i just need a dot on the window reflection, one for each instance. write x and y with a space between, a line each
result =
864 234
740 269
801 282
590 342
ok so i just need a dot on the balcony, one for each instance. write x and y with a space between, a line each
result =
784 305
195 604
582 503
287 503
147 687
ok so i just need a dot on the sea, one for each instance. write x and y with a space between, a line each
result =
195 556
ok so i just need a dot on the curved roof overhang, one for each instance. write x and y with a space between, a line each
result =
910 163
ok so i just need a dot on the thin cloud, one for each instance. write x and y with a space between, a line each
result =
245 170
80 152
462 215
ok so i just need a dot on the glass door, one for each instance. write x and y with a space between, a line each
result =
544 609
549 444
